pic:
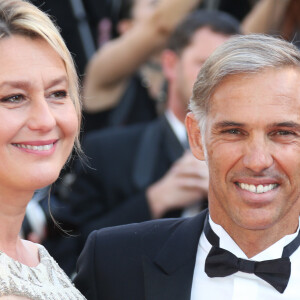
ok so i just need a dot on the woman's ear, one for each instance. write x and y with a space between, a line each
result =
195 137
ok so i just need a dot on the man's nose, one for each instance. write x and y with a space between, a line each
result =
41 117
258 155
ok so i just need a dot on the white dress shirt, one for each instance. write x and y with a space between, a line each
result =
177 126
242 286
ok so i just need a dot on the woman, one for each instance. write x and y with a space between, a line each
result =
40 120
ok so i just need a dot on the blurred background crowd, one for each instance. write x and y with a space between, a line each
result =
137 61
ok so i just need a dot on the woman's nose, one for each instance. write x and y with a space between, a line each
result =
41 117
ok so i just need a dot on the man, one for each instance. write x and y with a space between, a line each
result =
245 124
143 172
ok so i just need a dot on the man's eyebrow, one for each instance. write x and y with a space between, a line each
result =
288 124
225 124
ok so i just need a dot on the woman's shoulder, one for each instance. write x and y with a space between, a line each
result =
45 278
31 253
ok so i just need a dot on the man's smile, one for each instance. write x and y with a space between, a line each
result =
258 189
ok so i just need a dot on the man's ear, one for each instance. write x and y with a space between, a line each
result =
195 138
169 60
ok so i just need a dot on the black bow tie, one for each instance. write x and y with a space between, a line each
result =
220 262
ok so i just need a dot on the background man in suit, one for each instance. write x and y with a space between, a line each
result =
245 123
142 172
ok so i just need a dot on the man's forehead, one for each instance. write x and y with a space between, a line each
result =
271 90
265 77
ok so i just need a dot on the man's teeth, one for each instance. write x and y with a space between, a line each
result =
257 189
36 148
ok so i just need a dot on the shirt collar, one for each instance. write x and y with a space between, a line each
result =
226 242
177 127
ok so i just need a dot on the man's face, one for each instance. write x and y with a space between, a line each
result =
253 150
203 43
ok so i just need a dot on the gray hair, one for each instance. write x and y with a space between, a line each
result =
246 54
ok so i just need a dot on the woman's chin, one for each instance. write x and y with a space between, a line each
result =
40 182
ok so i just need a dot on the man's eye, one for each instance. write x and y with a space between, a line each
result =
232 131
284 132
12 99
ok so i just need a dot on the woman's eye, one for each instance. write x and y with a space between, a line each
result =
59 94
13 99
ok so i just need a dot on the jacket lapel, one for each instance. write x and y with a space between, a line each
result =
169 275
157 138
171 144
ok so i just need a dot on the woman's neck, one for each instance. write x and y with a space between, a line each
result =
12 211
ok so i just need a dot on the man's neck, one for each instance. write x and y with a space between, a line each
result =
254 241
177 108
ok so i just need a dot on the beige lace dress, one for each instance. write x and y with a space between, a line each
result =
45 281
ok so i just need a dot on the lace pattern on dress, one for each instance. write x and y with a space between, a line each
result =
45 281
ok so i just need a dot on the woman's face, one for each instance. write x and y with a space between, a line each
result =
38 122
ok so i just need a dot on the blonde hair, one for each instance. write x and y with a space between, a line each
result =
23 18
239 55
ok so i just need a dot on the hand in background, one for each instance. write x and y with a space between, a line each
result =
183 185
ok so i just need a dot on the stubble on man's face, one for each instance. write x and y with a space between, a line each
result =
253 146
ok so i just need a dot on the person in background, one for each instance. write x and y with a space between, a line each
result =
245 124
266 16
146 171
123 79
40 120
275 17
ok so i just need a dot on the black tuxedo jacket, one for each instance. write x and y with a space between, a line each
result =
123 163
148 261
